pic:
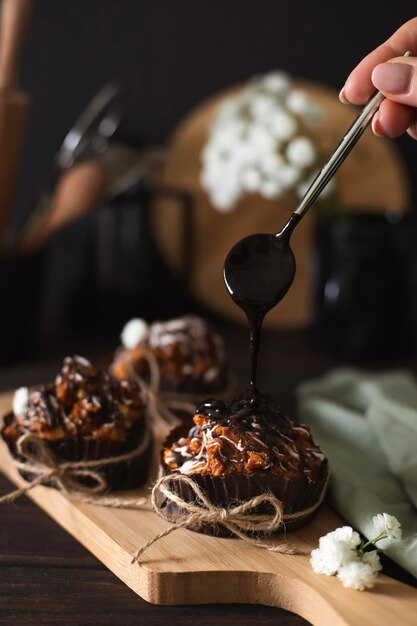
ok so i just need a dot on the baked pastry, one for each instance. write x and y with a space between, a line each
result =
86 414
189 353
240 449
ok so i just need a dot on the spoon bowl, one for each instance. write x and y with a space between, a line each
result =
259 270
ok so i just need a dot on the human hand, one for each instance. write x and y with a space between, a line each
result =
387 70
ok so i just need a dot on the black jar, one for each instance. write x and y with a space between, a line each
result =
365 285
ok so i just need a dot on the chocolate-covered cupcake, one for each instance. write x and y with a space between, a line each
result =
238 450
86 414
188 351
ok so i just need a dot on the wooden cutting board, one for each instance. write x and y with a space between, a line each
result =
373 178
189 568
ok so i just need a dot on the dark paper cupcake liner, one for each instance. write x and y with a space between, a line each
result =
118 476
296 494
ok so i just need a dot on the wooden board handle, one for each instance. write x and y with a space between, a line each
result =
14 18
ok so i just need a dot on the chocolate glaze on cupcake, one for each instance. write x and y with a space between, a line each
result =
241 449
85 414
188 351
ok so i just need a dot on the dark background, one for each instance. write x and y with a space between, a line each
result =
171 55
176 53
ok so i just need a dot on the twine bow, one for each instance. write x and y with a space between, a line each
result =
240 520
69 476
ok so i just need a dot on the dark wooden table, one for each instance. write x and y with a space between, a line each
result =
47 578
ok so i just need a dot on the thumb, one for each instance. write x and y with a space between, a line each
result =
397 80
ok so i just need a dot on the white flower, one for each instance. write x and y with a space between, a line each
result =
331 555
20 401
276 82
243 153
282 125
247 146
342 552
357 575
250 179
319 563
287 176
270 189
225 135
347 535
270 163
133 332
227 112
225 197
388 524
259 139
372 559
298 103
336 549
301 152
261 105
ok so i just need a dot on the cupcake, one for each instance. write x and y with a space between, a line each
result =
188 351
85 414
237 450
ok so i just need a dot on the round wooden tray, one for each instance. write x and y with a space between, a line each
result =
373 176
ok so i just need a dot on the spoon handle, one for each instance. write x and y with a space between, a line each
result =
340 153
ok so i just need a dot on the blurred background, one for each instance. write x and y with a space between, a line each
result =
117 224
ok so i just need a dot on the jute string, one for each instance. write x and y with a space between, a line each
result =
240 520
67 476
160 404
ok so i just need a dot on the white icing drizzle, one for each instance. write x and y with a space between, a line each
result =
237 445
284 450
302 429
293 452
261 443
189 466
183 450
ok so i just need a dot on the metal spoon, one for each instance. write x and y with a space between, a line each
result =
260 269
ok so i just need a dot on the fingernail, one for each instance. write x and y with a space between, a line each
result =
392 77
342 96
412 131
376 128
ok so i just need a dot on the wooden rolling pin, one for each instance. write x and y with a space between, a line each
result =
14 18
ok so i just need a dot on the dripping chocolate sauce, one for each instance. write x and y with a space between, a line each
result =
240 409
269 278
259 270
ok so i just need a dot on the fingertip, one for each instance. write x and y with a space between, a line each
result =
374 74
376 127
356 94
393 119
342 96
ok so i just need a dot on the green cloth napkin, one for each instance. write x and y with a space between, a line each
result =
366 425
